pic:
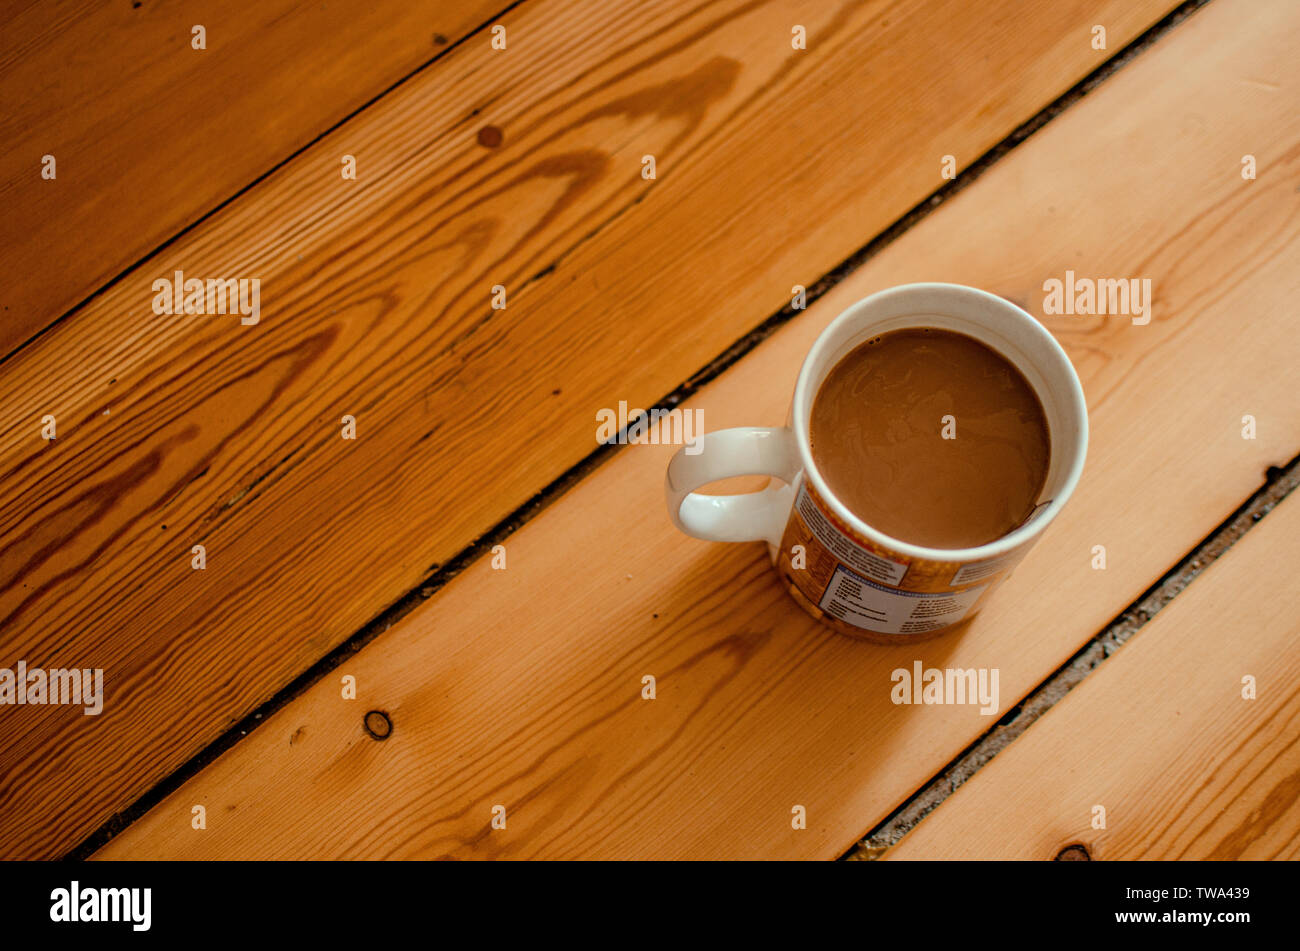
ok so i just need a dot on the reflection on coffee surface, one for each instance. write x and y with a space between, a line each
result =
932 438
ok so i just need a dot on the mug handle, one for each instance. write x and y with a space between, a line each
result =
745 450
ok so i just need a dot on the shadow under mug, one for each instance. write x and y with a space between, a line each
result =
857 579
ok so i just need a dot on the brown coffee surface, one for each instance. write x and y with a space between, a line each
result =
877 434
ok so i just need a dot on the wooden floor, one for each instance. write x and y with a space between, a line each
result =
335 562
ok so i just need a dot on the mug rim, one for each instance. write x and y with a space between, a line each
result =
1077 408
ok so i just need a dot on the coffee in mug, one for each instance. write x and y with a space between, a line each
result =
931 437
936 430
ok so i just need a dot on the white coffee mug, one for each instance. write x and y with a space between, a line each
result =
843 571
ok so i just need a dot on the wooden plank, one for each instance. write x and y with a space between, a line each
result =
1160 735
376 304
521 687
148 134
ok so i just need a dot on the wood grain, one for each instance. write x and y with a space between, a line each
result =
522 687
1160 735
149 134
772 166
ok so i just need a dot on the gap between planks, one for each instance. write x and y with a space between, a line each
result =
180 717
249 186
1279 484
578 472
1187 770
